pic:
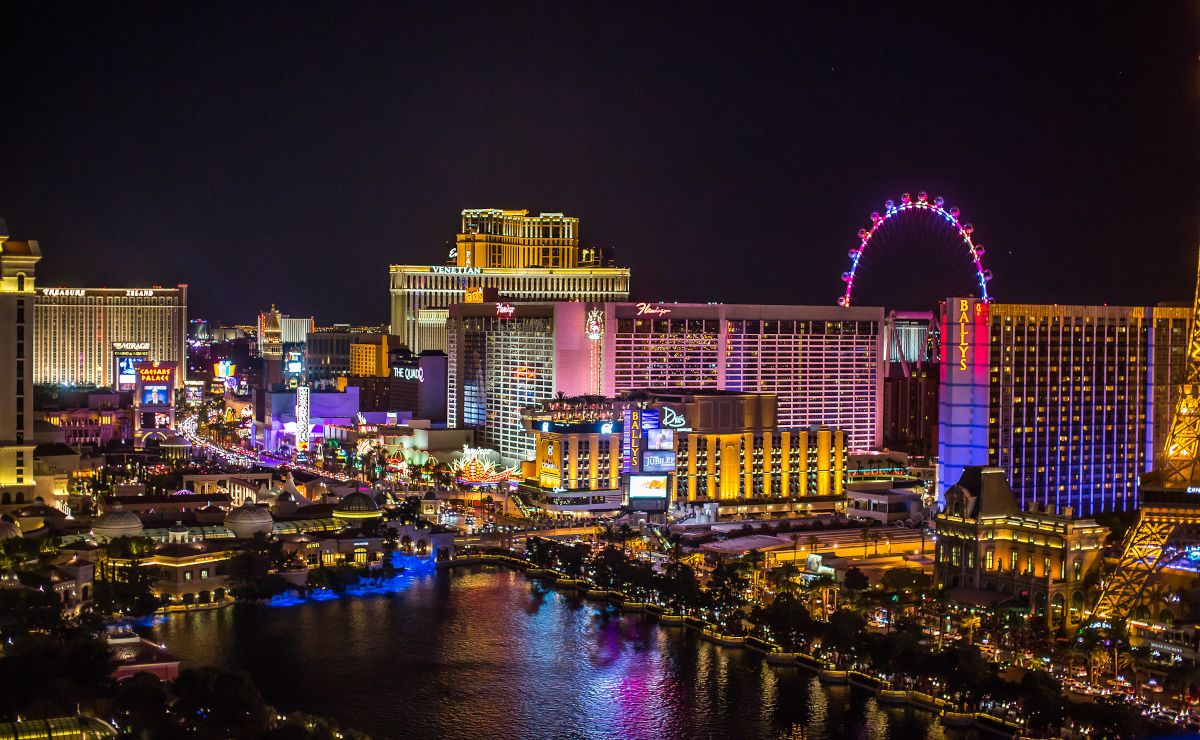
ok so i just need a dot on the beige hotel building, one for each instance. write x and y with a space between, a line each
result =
75 330
522 257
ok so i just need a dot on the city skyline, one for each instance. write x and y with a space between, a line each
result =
1064 138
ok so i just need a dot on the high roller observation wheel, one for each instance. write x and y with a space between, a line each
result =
937 206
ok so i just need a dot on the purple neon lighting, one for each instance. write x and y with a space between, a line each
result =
908 204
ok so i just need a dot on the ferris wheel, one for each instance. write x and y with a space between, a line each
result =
937 230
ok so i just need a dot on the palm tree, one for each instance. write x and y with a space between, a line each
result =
755 560
625 531
1137 660
813 542
1157 596
865 535
971 623
676 543
1072 654
783 577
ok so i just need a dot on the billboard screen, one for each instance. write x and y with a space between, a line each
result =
152 420
648 492
660 439
126 356
156 395
647 486
654 461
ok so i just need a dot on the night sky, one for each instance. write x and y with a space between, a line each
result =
286 153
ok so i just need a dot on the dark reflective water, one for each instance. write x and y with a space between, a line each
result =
481 653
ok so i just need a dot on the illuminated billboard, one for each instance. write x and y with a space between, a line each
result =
155 383
660 439
648 493
655 461
156 395
126 356
302 408
223 369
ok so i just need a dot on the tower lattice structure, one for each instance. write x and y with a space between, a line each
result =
1169 516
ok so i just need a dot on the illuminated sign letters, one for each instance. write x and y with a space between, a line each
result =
139 293
410 373
63 291
154 374
964 312
648 309
672 418
473 295
505 310
455 270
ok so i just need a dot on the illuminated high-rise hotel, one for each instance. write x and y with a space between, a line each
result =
82 335
17 263
823 364
1072 401
518 256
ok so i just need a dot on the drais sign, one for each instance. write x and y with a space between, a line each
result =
649 309
505 310
672 418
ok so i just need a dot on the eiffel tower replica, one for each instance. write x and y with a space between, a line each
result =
1168 523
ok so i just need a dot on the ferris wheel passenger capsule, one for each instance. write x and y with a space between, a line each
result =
875 214
954 211
846 277
842 300
985 276
979 249
922 197
854 254
939 201
967 228
862 233
905 197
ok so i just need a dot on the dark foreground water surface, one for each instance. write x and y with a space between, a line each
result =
481 653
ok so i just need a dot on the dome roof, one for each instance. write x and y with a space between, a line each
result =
8 529
179 528
117 523
247 519
248 514
357 503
